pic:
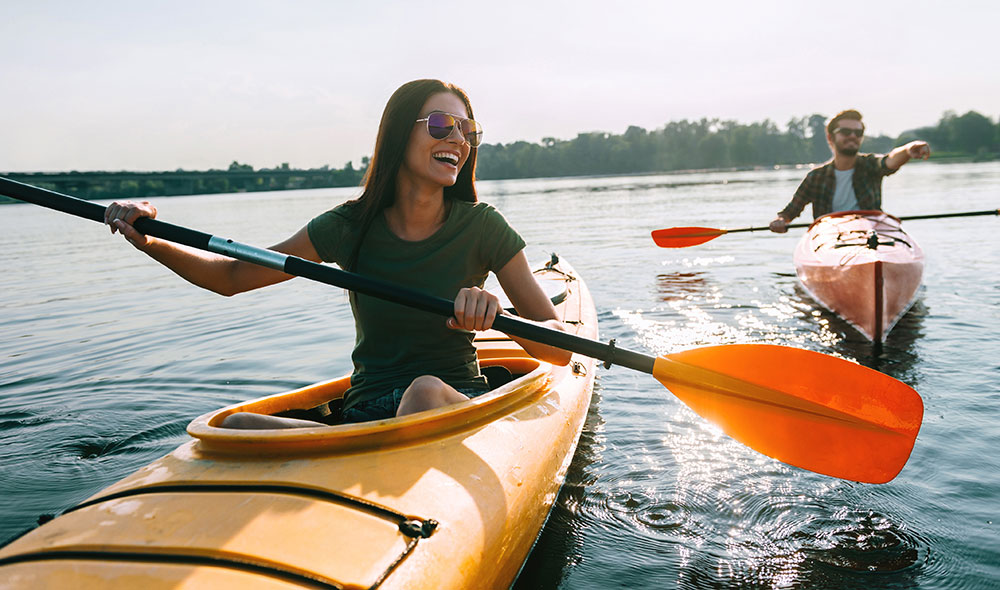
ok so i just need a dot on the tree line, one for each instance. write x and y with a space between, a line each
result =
715 143
678 145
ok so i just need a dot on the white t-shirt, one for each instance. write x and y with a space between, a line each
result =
843 195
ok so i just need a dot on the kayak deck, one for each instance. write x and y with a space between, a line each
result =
862 266
450 498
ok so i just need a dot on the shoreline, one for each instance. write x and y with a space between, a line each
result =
296 179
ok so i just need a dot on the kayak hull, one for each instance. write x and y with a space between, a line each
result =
450 498
861 266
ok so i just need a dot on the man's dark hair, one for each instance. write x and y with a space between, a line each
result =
848 114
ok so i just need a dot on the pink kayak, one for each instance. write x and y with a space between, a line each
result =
863 267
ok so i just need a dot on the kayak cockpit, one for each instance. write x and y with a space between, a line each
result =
529 379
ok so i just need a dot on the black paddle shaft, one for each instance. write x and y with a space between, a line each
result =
301 267
901 218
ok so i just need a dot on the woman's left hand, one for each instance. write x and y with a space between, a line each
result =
475 309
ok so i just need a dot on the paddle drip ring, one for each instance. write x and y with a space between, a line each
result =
416 528
611 354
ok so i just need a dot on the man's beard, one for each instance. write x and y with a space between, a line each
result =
847 151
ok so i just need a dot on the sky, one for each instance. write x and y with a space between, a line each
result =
160 85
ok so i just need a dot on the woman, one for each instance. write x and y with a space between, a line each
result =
418 223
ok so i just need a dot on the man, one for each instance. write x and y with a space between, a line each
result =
849 181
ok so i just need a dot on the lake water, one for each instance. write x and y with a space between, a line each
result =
105 357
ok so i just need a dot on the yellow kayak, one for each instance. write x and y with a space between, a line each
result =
450 498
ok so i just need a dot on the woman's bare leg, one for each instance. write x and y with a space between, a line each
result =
251 421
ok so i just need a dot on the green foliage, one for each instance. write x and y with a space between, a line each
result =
714 143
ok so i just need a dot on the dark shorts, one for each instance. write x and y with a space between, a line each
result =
385 406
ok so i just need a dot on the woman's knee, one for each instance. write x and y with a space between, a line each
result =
427 392
426 385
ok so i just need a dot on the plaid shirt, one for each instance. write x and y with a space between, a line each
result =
818 187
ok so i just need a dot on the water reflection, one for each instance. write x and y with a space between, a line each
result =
681 285
576 186
856 547
896 357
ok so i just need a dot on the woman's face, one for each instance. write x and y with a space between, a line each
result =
436 161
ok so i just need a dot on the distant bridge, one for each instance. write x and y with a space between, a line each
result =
112 185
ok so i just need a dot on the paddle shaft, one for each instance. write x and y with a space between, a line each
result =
296 266
903 218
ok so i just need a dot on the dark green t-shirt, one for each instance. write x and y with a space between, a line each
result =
396 344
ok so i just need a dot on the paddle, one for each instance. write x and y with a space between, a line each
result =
807 409
683 237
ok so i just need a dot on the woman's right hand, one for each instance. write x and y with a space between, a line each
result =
120 216
475 310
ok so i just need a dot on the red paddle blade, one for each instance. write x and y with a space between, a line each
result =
682 237
803 408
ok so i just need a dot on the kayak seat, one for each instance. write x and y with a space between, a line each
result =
329 413
496 376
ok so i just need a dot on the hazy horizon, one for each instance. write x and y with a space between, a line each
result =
122 86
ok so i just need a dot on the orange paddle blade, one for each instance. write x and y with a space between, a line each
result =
682 237
803 408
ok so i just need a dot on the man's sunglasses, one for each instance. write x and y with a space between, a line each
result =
845 131
442 125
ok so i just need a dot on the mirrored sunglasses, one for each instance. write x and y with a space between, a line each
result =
442 125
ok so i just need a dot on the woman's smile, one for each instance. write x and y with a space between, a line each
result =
451 158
